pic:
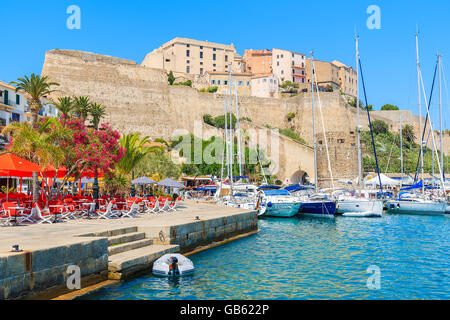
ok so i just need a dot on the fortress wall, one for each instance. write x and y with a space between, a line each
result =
139 99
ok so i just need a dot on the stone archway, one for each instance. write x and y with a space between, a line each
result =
299 177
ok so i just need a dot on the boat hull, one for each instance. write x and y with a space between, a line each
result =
281 210
417 208
318 208
360 208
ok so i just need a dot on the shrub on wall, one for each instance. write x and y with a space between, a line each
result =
212 89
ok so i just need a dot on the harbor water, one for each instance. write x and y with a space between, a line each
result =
314 258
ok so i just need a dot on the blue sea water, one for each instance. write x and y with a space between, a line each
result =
314 258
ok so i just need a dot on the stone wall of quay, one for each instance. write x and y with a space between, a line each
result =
190 236
44 272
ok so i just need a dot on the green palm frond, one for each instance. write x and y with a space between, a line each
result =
82 106
97 112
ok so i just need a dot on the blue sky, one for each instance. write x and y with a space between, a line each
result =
130 29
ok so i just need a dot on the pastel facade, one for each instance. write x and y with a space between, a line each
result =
289 65
335 75
13 106
222 79
265 86
196 57
258 62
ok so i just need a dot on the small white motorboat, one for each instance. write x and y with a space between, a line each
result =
172 265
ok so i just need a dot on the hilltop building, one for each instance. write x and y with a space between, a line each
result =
182 55
334 76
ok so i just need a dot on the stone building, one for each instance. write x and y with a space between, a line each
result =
196 57
258 61
335 75
265 86
284 64
221 80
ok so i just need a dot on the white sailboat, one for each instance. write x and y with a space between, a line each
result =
420 205
358 206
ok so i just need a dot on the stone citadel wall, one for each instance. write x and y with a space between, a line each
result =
139 99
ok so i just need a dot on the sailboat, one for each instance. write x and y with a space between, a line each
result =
317 204
358 206
420 205
230 192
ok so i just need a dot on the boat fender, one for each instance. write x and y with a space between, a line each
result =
269 204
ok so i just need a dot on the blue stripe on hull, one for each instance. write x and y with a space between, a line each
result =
319 208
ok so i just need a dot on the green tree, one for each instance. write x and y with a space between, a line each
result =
135 150
212 89
82 106
97 112
389 107
289 86
65 106
219 121
171 78
408 133
40 143
370 107
34 88
380 127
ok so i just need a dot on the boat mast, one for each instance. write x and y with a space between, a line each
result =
238 130
230 154
314 122
440 115
401 151
357 116
420 110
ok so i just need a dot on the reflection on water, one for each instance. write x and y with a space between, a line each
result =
313 258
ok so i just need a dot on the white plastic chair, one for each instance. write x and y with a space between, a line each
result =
43 217
133 211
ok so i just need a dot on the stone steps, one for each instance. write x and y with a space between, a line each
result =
112 250
124 264
125 238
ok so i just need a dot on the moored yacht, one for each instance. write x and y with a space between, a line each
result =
277 203
416 206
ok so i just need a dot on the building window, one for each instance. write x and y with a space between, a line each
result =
214 49
187 53
212 81
278 56
187 61
201 70
214 70
264 80
188 69
214 56
201 54
17 99
201 47
282 71
218 81
240 83
281 56
226 58
214 64
248 83
201 63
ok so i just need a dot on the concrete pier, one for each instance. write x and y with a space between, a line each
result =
108 249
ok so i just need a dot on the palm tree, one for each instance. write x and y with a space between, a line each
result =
82 106
97 112
65 105
135 151
35 88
